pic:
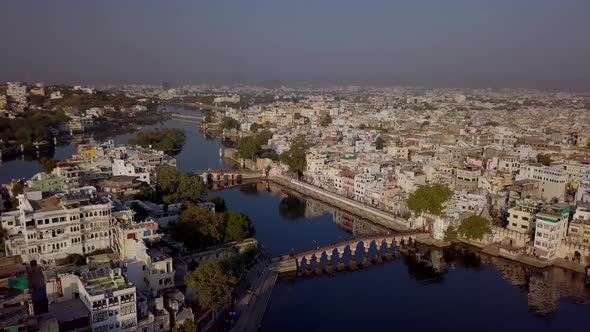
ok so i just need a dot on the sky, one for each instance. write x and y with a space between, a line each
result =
432 43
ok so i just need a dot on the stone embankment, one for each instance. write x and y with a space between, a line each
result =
362 210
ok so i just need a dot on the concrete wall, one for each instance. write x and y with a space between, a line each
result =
362 210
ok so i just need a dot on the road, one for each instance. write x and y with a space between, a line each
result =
253 305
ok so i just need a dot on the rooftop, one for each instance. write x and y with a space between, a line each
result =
103 280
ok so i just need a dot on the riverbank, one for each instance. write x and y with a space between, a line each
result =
396 224
349 205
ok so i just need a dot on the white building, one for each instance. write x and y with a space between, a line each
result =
52 228
551 228
56 95
16 93
129 168
552 180
362 182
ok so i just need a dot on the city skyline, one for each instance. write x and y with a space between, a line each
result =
458 43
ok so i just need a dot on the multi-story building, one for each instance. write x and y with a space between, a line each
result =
46 182
315 160
16 93
551 228
110 298
579 227
552 180
46 229
521 218
467 178
128 168
362 182
3 102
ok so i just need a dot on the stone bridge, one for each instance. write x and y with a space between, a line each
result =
211 176
185 117
295 262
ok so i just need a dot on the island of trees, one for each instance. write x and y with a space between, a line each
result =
169 140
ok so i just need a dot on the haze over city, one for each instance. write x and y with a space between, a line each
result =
454 43
283 165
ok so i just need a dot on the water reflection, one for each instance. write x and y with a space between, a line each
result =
544 288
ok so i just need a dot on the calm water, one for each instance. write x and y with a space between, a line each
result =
198 152
455 289
452 290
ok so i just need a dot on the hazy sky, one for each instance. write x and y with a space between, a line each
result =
529 43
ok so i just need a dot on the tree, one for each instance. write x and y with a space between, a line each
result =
379 143
237 227
190 188
186 326
198 227
295 156
544 159
474 228
429 199
175 187
167 179
212 282
169 140
219 203
48 164
255 127
17 188
229 123
450 234
248 147
140 213
325 120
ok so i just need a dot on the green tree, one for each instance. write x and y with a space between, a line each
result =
190 188
474 228
167 179
186 326
140 213
229 123
198 227
219 203
325 120
379 143
17 188
255 127
544 159
429 199
48 164
169 140
237 227
295 156
212 282
176 187
248 147
450 234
